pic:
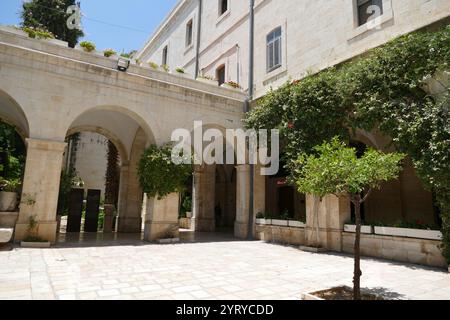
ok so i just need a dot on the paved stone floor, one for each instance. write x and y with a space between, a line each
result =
201 267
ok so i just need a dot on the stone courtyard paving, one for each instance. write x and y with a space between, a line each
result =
214 267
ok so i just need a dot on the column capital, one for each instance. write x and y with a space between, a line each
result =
47 145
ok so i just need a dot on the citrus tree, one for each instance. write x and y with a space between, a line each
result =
336 169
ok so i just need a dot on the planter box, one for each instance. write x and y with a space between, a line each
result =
261 221
352 229
281 223
35 245
208 81
296 224
168 241
8 201
8 219
6 235
409 233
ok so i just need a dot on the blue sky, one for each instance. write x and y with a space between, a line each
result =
138 18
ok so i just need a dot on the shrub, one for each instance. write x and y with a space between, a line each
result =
158 175
109 52
87 46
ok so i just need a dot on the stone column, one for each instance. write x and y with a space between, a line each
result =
333 213
242 201
259 199
41 188
161 220
203 196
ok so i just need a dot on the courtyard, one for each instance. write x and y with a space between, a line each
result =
202 266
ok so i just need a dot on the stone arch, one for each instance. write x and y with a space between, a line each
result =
104 132
13 114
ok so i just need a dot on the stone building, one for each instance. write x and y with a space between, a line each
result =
49 92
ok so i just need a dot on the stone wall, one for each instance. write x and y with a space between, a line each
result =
418 251
282 235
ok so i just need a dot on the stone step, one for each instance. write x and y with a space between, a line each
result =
6 235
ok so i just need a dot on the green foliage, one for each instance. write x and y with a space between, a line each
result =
165 67
153 65
50 16
382 90
337 170
12 185
109 52
158 175
180 70
38 33
87 46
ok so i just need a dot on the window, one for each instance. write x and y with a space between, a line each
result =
189 33
274 50
165 55
366 10
220 74
223 7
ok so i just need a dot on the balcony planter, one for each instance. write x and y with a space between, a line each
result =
208 81
261 221
280 223
352 229
296 224
168 241
8 201
6 235
409 233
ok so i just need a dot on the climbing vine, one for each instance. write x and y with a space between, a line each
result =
385 90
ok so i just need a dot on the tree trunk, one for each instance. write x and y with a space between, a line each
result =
357 252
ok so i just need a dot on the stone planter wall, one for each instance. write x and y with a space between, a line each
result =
185 223
281 235
402 249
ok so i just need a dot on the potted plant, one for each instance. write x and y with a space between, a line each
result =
165 67
153 65
87 46
33 240
9 195
109 53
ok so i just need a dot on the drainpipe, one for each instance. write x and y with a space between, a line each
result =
199 30
247 108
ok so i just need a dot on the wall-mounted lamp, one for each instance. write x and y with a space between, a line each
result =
123 64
